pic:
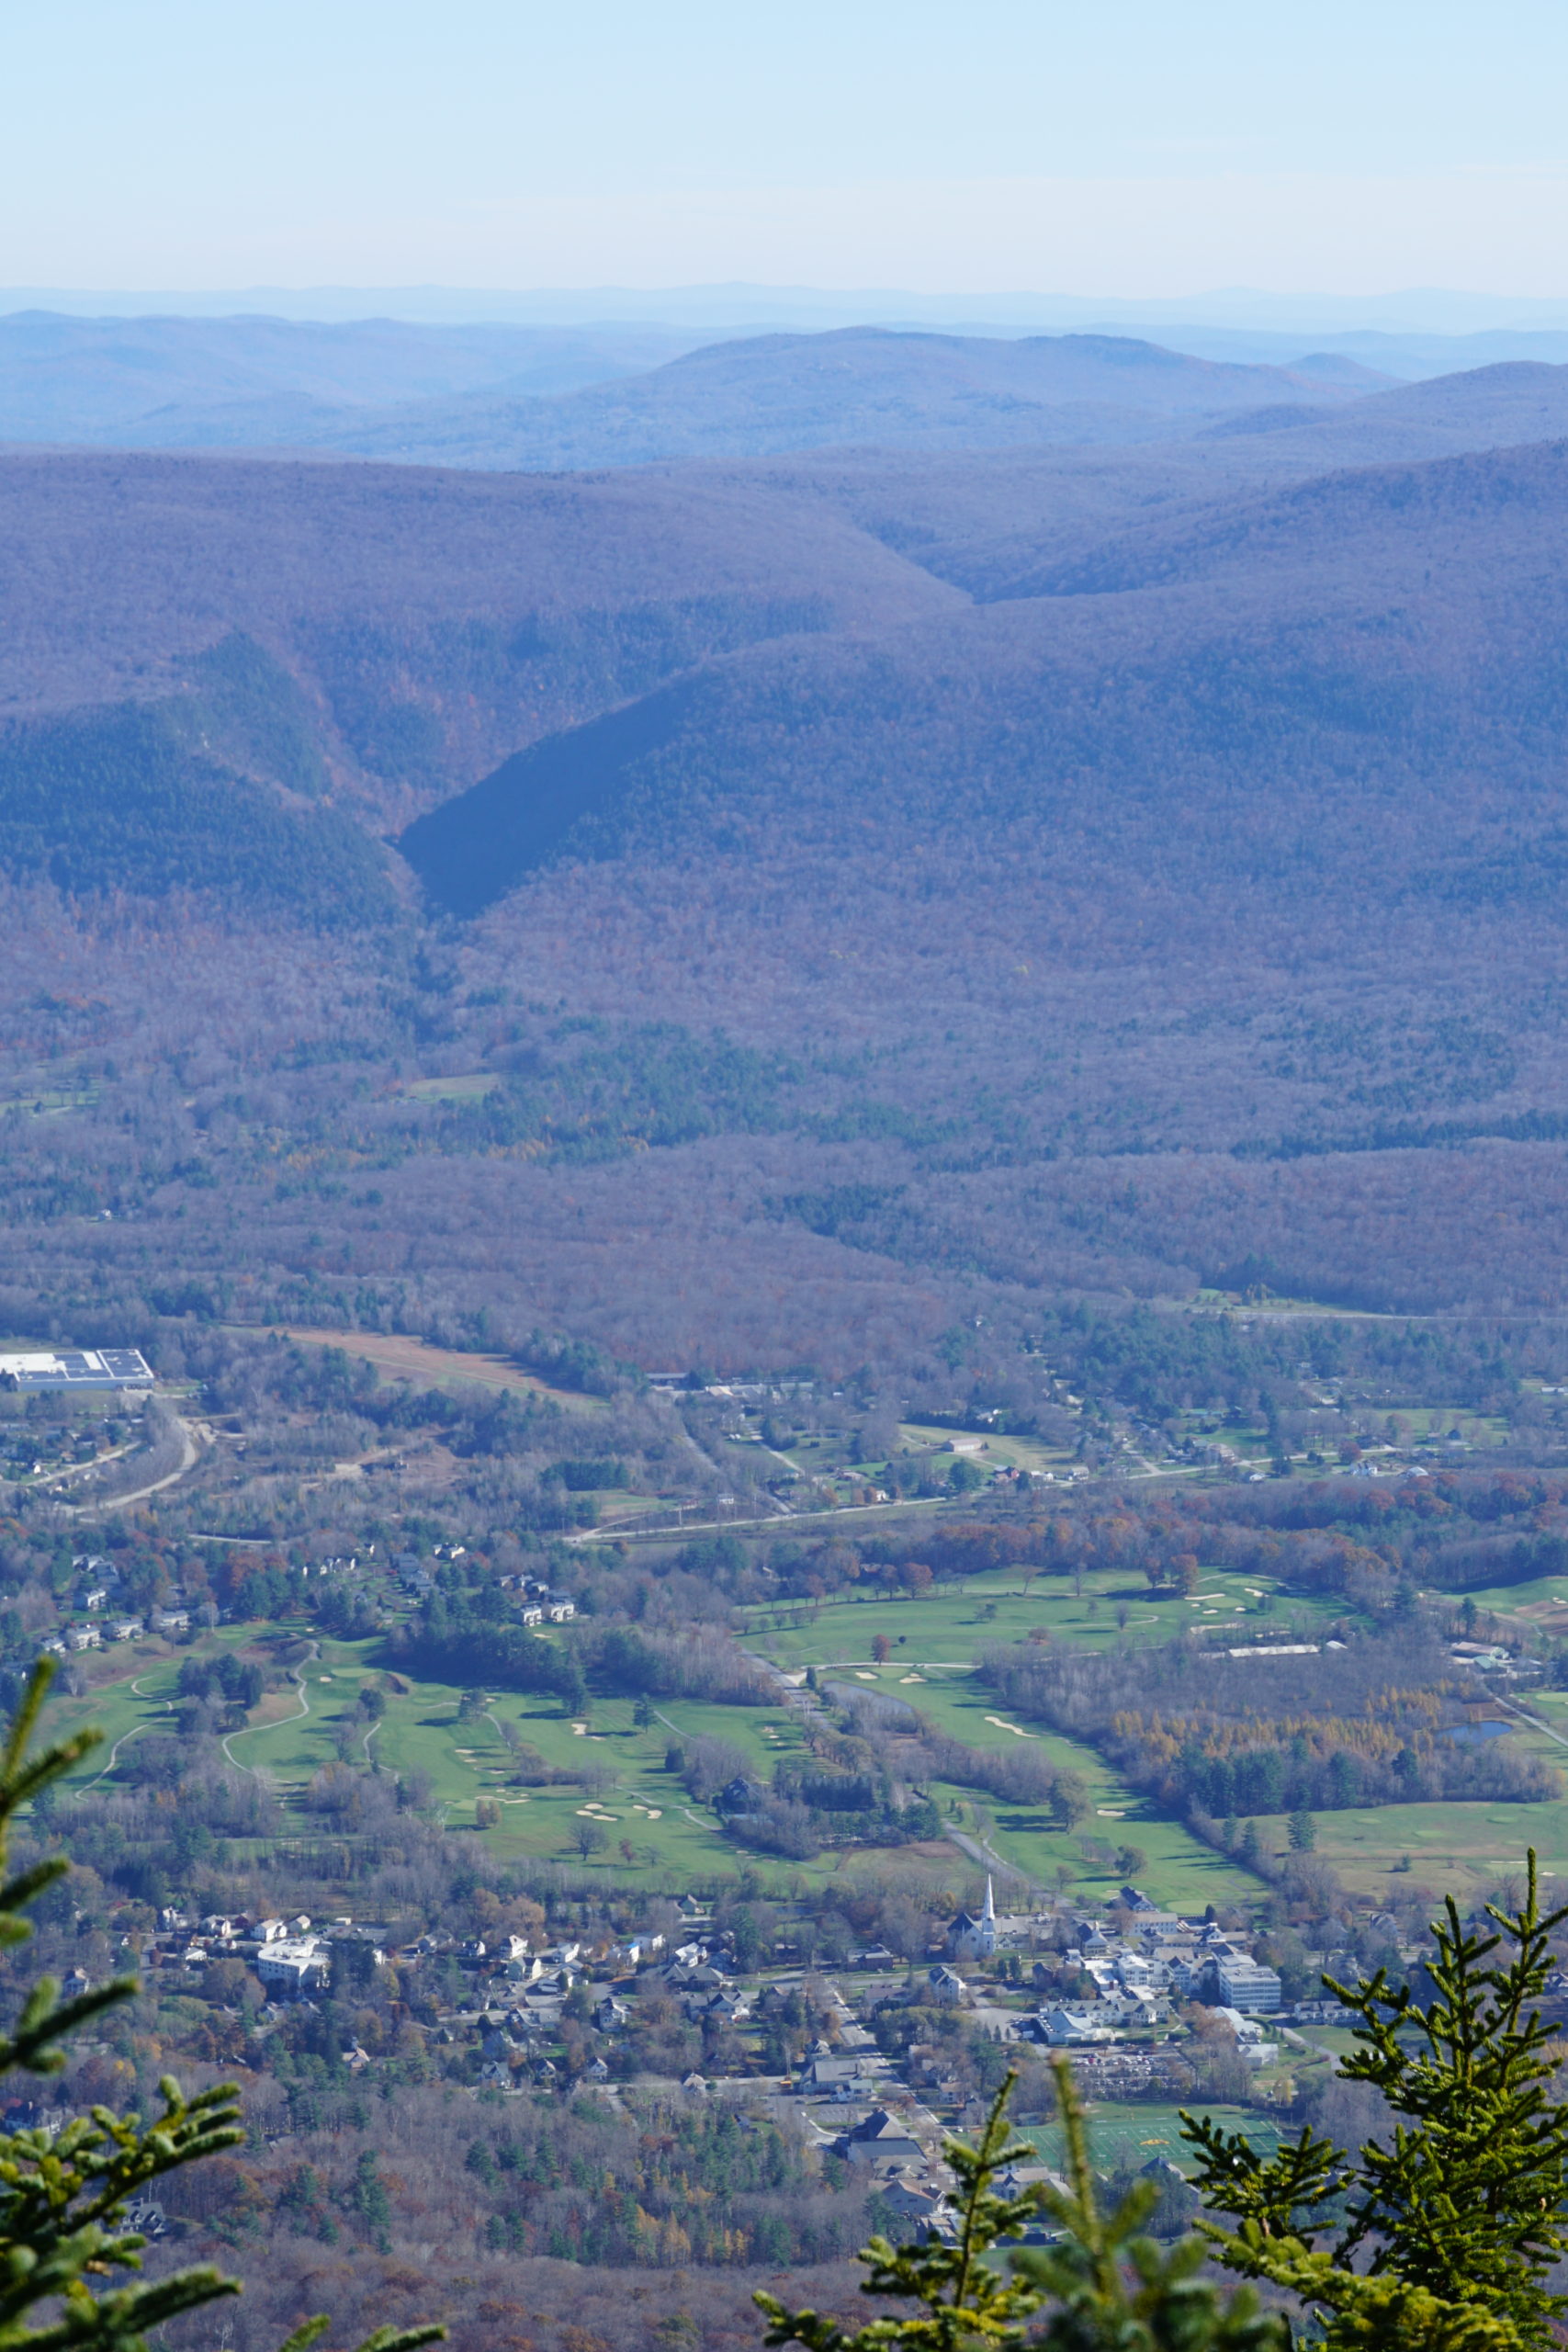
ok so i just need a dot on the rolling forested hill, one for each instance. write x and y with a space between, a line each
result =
856 386
162 383
538 397
788 910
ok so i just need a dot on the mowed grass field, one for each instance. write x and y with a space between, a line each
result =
1541 1604
1458 1850
1000 1453
1124 2135
651 1834
294 1734
132 1690
955 1623
1178 1871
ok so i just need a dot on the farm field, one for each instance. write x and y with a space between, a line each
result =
402 1358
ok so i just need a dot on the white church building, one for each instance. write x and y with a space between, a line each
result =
972 1938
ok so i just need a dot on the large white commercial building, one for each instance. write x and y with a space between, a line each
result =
57 1368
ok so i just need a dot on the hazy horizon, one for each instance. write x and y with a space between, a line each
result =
1435 311
168 145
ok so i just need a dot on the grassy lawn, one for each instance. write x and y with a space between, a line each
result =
1336 2041
1179 1871
1001 1453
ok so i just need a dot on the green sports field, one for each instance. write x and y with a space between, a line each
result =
1130 2135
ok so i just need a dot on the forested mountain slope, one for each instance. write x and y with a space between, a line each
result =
1485 408
217 673
807 946
1324 662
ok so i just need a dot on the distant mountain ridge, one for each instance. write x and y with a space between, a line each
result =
505 399
508 397
160 382
856 385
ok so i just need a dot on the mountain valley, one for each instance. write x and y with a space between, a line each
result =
868 892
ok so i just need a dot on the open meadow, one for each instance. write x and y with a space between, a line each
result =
399 1357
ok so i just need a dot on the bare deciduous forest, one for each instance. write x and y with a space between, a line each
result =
904 951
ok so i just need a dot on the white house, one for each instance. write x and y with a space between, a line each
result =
1250 2045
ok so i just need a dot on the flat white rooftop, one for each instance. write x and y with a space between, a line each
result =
77 1368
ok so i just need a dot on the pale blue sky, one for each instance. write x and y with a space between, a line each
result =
1138 147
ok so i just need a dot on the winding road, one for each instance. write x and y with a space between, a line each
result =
190 1447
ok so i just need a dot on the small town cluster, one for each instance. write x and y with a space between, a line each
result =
563 2015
